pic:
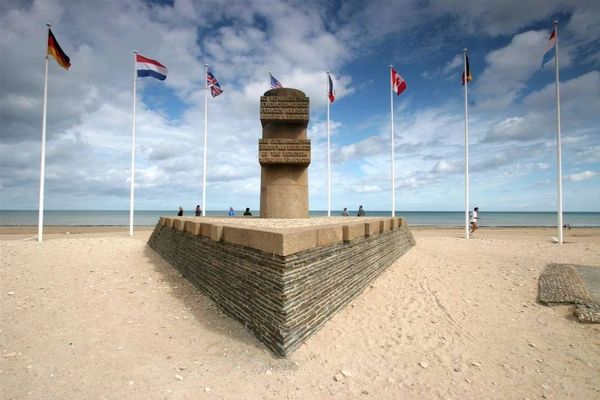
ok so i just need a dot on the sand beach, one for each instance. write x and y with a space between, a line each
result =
93 313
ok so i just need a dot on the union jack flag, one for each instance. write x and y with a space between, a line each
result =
213 84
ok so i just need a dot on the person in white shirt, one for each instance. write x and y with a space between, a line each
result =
474 218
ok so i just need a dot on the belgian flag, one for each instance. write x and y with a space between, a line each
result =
469 76
57 52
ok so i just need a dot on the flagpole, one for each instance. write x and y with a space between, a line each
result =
558 142
132 180
205 139
43 152
328 155
466 84
393 169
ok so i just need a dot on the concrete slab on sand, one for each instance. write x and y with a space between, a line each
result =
283 237
574 284
590 277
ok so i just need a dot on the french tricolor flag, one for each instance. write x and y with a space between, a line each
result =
551 49
148 67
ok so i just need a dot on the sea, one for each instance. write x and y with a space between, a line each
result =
415 218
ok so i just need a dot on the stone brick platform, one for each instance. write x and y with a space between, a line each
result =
283 283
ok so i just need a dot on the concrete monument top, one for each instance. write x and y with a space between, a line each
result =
284 154
284 105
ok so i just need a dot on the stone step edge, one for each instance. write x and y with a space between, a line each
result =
283 241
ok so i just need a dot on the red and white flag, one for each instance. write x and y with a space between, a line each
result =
398 83
331 92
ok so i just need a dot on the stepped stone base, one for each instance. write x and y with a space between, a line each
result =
283 284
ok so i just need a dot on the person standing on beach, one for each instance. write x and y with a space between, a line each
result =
247 212
198 211
180 212
361 211
231 212
345 212
474 218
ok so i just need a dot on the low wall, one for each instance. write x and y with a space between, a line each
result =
285 292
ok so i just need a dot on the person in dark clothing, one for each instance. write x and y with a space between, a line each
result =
180 212
198 211
247 212
361 211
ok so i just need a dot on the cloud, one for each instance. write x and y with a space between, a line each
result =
373 145
455 64
367 189
497 18
580 100
443 166
587 155
584 30
582 176
508 69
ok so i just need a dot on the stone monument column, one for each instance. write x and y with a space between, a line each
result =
284 154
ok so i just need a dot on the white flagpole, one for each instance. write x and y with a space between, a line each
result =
132 180
393 169
43 152
328 154
558 142
205 136
466 146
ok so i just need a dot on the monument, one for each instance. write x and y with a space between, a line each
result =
284 154
282 275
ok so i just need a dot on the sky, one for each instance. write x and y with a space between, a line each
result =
512 106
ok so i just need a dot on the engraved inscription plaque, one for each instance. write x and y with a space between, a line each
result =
287 109
284 151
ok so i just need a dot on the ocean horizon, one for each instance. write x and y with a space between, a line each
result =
414 218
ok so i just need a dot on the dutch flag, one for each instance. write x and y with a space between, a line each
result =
551 49
148 67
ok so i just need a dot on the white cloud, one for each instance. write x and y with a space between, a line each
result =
501 17
372 145
509 68
443 166
368 189
587 155
543 166
580 102
585 30
582 176
452 66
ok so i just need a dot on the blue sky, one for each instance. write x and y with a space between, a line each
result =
512 105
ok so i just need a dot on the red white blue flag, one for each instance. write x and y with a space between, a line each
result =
148 67
398 83
551 49
275 84
213 84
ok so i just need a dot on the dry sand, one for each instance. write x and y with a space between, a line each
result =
96 314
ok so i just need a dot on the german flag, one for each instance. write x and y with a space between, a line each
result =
469 76
57 52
